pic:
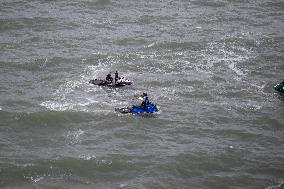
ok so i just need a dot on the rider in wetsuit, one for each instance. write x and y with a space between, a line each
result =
145 101
116 76
109 78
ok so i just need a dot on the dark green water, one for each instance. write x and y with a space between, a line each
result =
210 64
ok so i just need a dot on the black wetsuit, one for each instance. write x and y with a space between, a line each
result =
116 77
145 102
109 78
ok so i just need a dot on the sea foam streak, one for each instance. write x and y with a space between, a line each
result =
76 95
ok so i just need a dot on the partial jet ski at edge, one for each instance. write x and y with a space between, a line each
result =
279 87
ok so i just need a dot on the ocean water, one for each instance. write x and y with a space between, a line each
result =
210 64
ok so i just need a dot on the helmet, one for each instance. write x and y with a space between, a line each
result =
144 94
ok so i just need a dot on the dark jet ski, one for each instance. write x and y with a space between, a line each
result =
100 82
151 108
122 81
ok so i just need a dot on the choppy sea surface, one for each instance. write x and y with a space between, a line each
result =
210 64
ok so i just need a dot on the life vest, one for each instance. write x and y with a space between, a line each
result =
146 100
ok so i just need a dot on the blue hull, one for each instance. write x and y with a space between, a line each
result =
151 108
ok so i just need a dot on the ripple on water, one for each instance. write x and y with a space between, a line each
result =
74 137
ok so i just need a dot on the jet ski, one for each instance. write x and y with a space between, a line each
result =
122 81
279 87
151 108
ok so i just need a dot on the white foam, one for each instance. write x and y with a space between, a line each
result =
259 87
219 53
122 185
74 136
57 106
74 94
276 186
151 45
35 179
250 105
88 157
233 67
28 165
103 162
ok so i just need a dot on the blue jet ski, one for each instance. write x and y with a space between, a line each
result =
151 108
279 87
